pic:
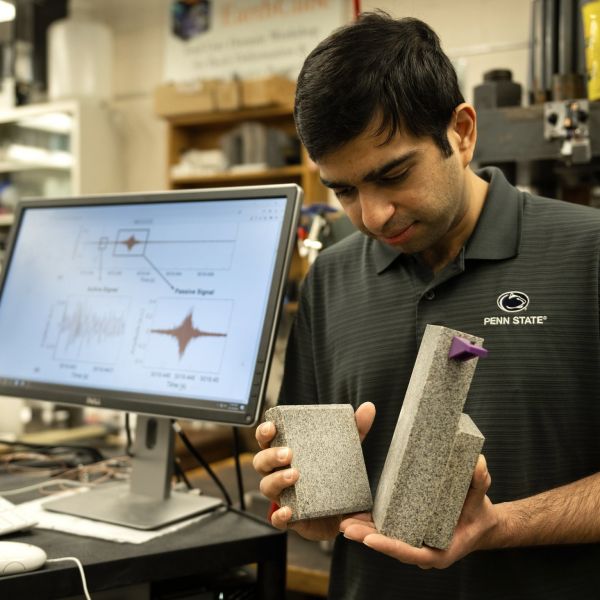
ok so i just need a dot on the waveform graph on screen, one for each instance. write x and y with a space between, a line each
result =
87 329
131 242
189 335
174 255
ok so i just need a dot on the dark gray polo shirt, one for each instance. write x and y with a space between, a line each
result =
536 398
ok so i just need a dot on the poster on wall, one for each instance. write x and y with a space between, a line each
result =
222 39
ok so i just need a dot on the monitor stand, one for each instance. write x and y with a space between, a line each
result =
147 501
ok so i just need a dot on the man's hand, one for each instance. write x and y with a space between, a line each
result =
274 481
477 521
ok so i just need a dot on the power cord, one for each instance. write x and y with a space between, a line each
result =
129 445
202 462
238 467
81 571
181 476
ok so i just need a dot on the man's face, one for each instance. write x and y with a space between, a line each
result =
404 193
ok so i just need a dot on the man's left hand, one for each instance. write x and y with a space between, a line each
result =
477 520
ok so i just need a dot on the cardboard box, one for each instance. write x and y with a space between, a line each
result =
174 99
268 91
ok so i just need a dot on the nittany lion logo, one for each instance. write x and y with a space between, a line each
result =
512 302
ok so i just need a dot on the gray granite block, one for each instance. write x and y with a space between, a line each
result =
327 453
415 465
459 472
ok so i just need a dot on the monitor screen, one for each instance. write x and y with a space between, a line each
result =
162 304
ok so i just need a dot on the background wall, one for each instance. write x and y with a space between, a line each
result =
138 28
477 34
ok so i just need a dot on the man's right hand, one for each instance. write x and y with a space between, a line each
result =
270 463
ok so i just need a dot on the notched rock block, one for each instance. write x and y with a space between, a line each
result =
459 472
416 464
327 453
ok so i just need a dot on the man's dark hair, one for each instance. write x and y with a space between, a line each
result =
376 65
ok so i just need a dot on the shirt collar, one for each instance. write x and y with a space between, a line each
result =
498 230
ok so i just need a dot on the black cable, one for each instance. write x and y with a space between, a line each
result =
202 462
181 475
238 467
128 449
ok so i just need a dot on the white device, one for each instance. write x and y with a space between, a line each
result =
18 557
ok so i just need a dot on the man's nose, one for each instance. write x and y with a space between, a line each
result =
376 211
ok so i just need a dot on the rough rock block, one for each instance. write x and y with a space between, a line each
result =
327 453
416 462
459 471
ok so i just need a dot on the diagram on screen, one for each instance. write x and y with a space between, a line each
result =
185 332
86 328
131 242
188 334
166 253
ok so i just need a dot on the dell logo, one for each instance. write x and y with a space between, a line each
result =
512 302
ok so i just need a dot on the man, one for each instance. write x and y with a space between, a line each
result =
379 110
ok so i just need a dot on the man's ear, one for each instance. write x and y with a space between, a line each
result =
463 130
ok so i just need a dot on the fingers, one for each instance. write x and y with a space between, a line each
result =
266 461
280 518
481 481
357 519
424 558
480 484
272 485
271 463
481 476
364 415
265 433
357 531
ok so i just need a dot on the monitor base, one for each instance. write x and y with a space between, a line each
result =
116 504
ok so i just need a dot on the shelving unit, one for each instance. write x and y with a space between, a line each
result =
60 148
203 131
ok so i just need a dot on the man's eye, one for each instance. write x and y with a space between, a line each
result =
391 179
343 192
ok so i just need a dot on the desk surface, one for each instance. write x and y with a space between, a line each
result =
307 563
223 539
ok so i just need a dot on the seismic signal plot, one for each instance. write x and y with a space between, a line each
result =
164 248
188 335
185 332
86 328
131 242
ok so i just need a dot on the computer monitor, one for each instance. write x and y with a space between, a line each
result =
162 304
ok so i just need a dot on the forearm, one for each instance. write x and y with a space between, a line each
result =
566 515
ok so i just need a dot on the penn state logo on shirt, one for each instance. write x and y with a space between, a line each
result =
513 302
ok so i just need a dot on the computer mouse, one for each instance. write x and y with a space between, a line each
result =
18 557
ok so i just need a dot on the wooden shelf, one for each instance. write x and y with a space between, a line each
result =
231 116
204 131
240 178
6 220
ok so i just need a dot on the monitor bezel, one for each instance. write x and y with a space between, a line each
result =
156 404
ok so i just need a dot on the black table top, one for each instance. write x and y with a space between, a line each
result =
224 538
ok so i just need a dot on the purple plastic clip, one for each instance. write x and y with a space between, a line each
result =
461 349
